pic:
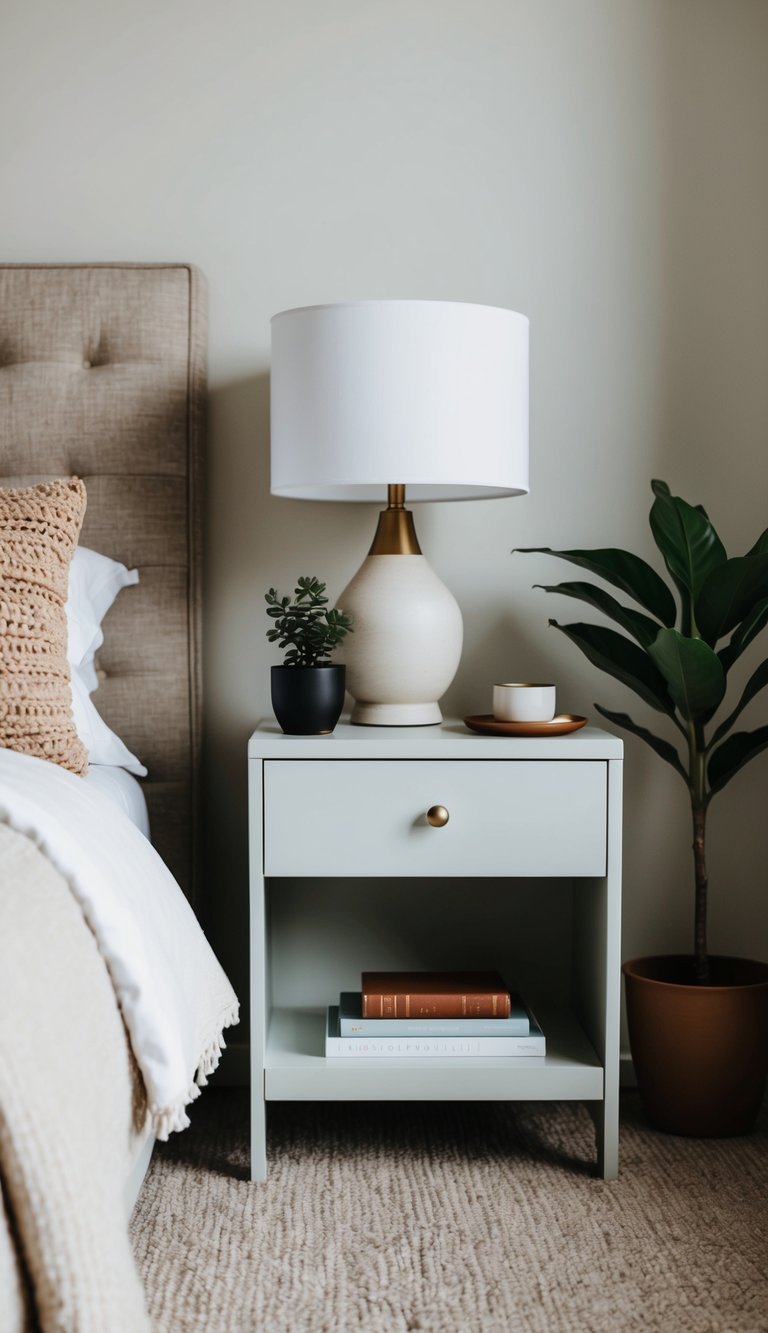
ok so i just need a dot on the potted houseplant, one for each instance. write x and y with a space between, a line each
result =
698 1023
308 689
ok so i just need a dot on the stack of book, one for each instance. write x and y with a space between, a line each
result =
417 1015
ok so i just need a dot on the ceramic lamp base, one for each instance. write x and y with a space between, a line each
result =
396 715
406 645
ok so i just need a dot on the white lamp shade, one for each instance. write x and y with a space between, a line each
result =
432 394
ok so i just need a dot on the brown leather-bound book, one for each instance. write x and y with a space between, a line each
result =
435 995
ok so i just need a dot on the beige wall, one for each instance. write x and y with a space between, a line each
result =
599 165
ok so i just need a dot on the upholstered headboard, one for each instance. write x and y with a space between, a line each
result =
102 376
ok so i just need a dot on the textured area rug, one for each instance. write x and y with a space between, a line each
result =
452 1218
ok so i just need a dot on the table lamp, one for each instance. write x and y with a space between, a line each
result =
369 398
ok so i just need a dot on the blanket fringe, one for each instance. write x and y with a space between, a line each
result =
169 1120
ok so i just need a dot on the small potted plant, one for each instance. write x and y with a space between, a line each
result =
698 1023
308 689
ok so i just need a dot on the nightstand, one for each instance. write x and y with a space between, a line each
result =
348 875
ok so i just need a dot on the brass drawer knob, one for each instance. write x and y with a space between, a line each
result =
437 816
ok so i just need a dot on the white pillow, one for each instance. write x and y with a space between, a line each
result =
103 745
94 582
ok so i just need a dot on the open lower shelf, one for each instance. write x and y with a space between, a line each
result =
296 1069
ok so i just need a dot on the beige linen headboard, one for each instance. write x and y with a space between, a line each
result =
102 376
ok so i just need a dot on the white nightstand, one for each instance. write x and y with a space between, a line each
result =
347 875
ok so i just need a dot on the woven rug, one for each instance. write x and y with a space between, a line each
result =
452 1218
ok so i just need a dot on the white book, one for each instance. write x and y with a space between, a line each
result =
420 1048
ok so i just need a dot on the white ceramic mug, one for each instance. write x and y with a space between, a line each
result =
516 702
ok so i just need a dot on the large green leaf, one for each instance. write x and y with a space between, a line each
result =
662 747
733 754
693 672
624 570
761 545
635 623
757 681
729 593
621 658
688 542
743 636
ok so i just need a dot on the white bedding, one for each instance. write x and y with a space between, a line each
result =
174 996
124 789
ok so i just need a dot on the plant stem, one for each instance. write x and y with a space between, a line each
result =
700 913
697 780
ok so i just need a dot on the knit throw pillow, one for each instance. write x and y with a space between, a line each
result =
39 526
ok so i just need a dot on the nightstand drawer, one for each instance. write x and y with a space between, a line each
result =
368 817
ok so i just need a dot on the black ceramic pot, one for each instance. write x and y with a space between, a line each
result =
308 700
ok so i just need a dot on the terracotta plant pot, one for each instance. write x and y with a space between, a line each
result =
307 701
700 1052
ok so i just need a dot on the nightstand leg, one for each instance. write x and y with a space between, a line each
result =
258 1131
606 1118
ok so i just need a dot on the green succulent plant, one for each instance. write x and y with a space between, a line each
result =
673 656
304 626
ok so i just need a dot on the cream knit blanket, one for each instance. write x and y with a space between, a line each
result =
173 994
70 1107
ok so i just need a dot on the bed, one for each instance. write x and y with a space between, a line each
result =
102 378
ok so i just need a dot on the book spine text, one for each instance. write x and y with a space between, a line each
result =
494 1004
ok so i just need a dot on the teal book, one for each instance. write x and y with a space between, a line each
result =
352 1024
521 1050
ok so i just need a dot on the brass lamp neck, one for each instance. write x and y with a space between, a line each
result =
395 534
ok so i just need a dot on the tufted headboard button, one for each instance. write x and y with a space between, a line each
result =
86 364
